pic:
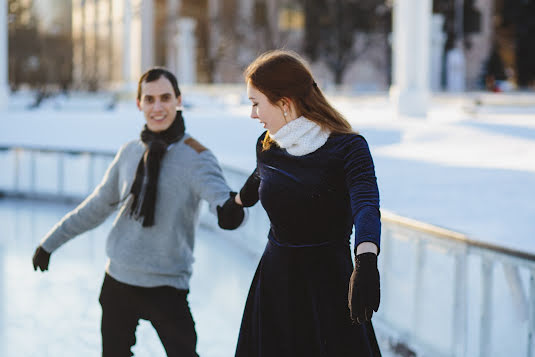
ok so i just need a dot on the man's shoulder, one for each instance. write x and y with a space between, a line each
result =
130 147
192 143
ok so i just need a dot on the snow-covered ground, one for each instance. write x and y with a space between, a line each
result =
468 168
57 313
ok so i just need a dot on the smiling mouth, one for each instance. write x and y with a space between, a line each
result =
158 118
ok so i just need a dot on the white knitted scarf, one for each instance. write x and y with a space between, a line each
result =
300 136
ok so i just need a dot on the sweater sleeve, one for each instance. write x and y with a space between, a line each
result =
208 181
91 212
364 194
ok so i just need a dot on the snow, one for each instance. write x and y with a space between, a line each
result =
467 167
57 313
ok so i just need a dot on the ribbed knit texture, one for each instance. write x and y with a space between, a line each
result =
300 136
157 255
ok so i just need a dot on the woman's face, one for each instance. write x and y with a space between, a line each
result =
270 115
158 104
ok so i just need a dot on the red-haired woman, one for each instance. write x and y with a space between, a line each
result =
315 178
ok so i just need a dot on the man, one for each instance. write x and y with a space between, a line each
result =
157 184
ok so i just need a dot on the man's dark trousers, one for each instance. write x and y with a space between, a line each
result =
165 307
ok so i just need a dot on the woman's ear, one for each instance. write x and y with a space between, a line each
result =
285 104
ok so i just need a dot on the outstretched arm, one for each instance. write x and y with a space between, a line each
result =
212 187
248 195
89 214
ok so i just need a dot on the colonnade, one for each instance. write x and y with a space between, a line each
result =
411 50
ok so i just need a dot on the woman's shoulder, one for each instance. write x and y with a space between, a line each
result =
348 140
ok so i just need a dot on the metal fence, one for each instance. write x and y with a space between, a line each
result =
443 294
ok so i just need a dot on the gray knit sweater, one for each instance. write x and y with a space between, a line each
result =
161 254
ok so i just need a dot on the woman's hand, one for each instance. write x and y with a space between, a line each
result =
237 199
231 214
364 291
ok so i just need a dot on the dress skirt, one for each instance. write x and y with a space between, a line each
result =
297 306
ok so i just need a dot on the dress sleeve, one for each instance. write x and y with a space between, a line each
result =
249 191
91 212
364 194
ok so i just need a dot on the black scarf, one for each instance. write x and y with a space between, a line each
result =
148 168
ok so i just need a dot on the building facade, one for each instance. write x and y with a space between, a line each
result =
212 41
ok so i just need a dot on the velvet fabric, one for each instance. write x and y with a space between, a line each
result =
298 300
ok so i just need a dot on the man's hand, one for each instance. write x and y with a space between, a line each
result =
40 259
364 292
231 214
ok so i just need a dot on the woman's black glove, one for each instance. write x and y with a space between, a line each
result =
231 214
364 292
40 259
249 191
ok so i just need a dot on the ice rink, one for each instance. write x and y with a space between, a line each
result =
469 168
57 313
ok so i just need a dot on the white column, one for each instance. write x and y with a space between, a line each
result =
411 53
127 63
455 70
187 56
4 57
78 42
147 35
246 9
172 10
438 38
138 41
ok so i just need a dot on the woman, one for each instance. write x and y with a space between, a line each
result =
315 178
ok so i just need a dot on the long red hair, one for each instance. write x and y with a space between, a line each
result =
282 74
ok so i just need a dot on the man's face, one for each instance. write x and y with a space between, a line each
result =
158 104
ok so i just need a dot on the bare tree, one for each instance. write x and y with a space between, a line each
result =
336 31
37 59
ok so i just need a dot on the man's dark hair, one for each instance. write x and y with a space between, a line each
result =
154 74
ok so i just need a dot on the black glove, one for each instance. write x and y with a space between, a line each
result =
364 293
249 191
231 214
40 259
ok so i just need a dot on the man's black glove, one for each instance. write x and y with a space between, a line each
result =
231 214
40 259
364 292
249 191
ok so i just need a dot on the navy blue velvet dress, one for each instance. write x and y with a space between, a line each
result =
298 303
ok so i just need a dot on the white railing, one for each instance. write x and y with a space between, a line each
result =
51 173
443 294
447 295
